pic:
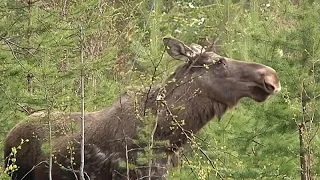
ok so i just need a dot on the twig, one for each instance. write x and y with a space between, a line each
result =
187 160
152 80
208 158
34 167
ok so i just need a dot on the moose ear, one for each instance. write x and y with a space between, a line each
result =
178 50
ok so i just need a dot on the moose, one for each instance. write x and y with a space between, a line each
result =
204 86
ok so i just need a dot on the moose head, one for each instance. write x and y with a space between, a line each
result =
227 80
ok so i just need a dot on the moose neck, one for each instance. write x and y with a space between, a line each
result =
187 106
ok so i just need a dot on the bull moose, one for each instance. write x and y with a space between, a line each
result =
204 86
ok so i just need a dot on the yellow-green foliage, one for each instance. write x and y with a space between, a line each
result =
12 167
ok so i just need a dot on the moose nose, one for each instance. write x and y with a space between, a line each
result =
277 89
271 79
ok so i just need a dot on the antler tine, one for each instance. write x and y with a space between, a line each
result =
213 45
215 41
210 45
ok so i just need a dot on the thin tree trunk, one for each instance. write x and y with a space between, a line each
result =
304 155
29 75
82 105
30 83
64 9
50 145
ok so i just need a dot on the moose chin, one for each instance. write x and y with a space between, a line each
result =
204 86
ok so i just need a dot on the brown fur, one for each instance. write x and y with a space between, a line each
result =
35 131
207 85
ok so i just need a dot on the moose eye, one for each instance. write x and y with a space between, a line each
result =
221 61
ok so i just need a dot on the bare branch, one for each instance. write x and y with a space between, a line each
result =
33 168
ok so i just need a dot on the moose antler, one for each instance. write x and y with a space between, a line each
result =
209 45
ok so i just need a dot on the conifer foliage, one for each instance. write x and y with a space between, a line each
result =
42 41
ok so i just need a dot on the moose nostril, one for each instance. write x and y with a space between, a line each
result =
277 89
269 87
